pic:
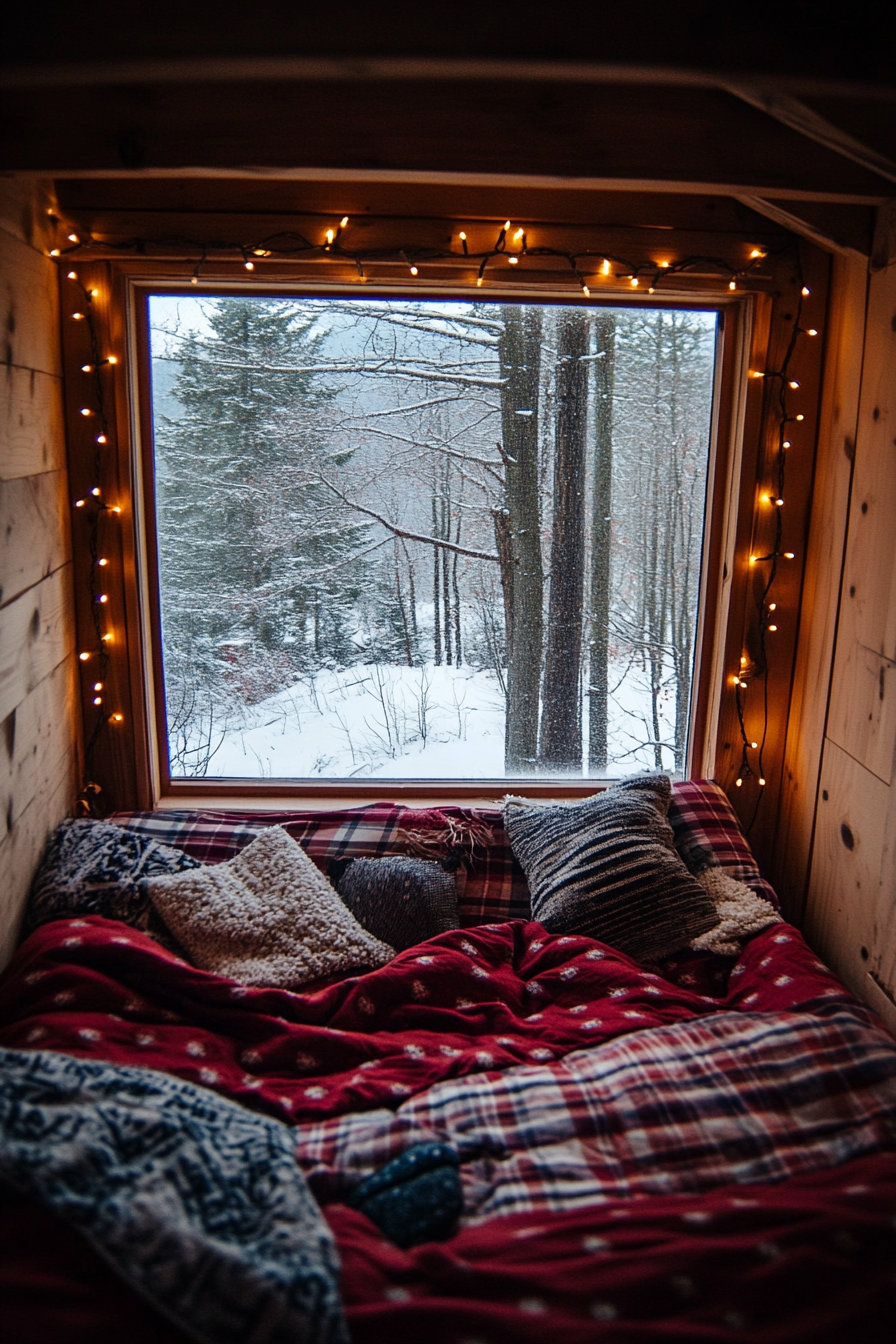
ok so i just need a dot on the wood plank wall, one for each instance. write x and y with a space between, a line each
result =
851 902
39 716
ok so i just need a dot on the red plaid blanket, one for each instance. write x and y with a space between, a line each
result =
736 1097
491 885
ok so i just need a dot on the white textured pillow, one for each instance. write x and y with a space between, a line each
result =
741 913
265 917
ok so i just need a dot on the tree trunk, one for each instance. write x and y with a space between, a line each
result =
601 502
561 728
518 534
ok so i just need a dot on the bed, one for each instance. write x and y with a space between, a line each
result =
702 1148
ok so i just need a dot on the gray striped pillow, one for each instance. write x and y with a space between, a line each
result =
607 867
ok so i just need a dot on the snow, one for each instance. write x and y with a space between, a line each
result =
367 721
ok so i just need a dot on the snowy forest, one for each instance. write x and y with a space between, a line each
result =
428 539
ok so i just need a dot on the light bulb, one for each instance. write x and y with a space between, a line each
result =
462 236
77 317
788 555
753 559
95 491
786 443
118 717
85 410
586 291
54 251
756 252
73 237
761 782
738 783
94 293
605 268
732 285
664 265
772 627
103 561
97 685
250 265
773 606
805 291
793 383
634 282
799 417
513 260
83 657
108 639
518 235
103 597
743 660
756 373
779 502
87 368
414 270
112 359
811 332
506 225
101 438
193 280
744 685
330 236
79 503
115 508
97 699
72 275
479 280
754 745
343 221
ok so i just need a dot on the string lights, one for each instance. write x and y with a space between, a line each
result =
782 385
586 267
92 508
591 270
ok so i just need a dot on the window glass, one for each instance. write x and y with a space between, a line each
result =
422 539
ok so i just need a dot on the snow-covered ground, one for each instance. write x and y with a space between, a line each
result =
378 721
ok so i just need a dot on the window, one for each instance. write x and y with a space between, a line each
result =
427 539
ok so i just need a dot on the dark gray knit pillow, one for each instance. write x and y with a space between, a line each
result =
401 901
98 868
607 867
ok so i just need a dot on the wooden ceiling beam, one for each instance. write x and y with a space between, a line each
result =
794 114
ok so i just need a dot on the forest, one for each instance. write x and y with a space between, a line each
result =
407 538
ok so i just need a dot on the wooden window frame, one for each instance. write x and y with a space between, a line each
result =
131 759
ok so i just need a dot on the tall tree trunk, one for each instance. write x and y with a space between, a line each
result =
436 593
601 502
561 723
518 534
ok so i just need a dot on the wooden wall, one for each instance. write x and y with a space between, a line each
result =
850 915
38 714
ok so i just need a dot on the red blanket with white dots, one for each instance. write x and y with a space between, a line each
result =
702 1150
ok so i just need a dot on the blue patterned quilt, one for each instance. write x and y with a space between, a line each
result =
195 1201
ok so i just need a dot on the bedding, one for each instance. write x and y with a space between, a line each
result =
702 1149
607 866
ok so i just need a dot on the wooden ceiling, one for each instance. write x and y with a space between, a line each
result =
387 111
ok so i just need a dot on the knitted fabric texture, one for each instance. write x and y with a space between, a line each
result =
399 900
98 868
741 913
266 917
607 867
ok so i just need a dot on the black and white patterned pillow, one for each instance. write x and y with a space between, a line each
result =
401 901
98 868
607 867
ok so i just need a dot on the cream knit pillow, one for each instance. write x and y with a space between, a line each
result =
265 917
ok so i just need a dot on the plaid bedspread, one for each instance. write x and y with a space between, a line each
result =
491 887
736 1097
